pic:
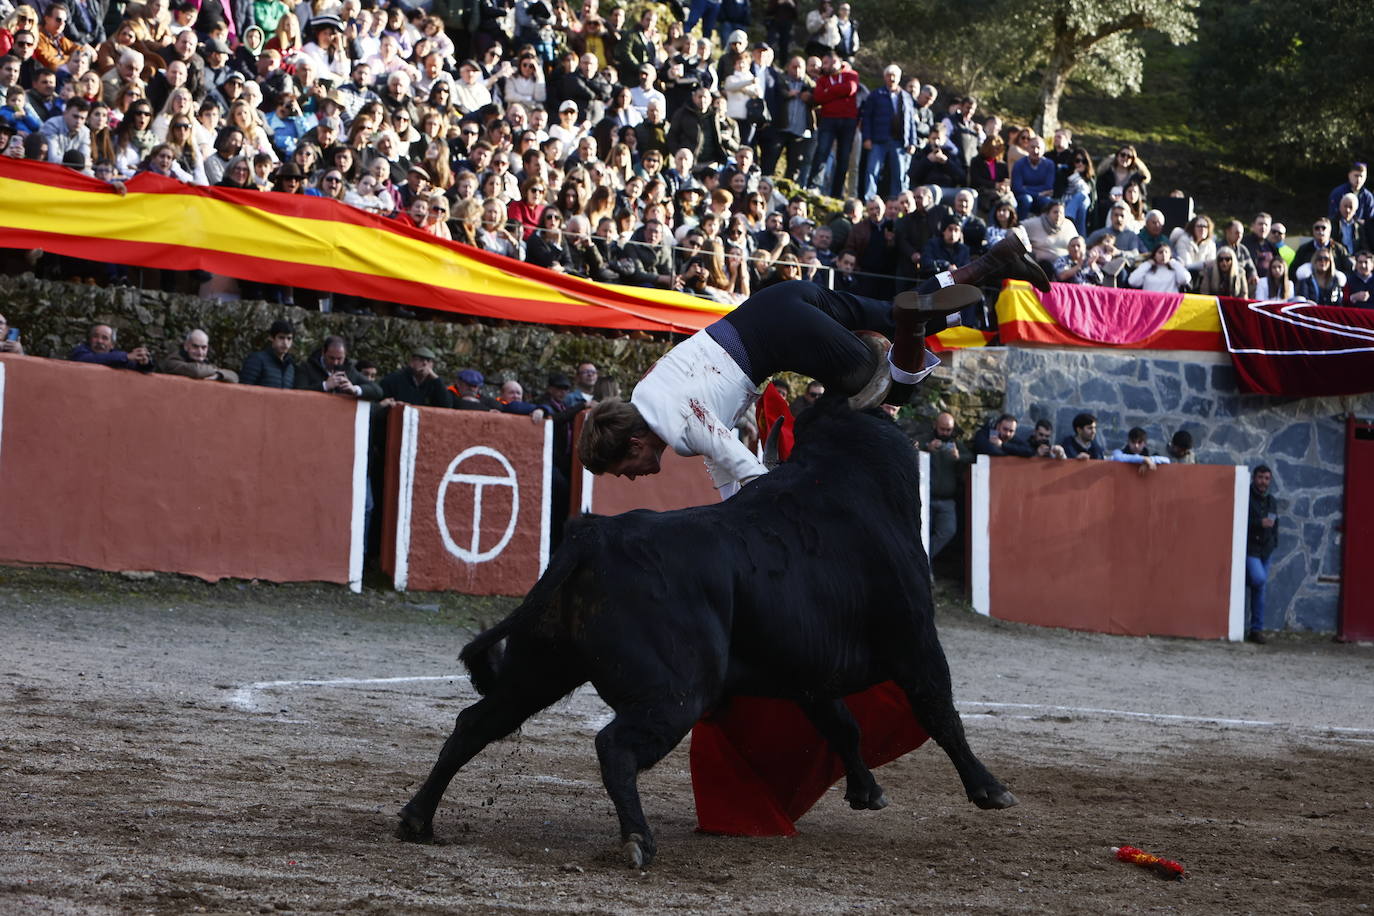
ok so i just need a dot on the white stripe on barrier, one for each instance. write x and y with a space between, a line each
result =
980 565
1240 535
405 495
358 529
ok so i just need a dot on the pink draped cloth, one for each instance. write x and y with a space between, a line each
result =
1109 316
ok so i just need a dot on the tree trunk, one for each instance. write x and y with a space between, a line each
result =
1057 72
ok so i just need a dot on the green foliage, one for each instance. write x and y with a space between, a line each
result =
989 46
1288 83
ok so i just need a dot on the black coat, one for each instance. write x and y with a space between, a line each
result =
1261 541
401 386
311 376
265 369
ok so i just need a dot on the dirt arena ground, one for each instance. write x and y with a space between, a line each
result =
172 747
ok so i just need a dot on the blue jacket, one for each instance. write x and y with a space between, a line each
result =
1366 206
115 359
878 111
1031 179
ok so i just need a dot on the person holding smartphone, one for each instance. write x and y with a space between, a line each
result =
9 338
1263 537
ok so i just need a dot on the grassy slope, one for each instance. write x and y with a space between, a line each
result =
1182 147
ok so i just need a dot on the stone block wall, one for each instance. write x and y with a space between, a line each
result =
1301 439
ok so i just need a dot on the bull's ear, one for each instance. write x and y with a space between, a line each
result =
770 445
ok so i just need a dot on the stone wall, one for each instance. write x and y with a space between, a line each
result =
54 317
1301 439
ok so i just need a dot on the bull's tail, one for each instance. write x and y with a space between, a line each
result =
483 656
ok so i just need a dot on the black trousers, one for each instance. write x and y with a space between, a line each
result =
800 327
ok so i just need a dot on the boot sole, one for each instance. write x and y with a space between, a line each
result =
944 301
873 393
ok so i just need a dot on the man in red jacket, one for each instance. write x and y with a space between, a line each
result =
837 115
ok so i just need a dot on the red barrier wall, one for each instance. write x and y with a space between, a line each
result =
467 503
680 483
1097 546
110 469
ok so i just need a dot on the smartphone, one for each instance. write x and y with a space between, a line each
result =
13 334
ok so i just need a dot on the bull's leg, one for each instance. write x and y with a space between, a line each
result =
836 724
932 700
489 719
636 739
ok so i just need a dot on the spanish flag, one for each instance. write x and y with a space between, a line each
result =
314 243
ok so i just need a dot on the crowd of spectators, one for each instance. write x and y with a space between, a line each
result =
621 144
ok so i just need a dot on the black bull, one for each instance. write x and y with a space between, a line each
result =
808 585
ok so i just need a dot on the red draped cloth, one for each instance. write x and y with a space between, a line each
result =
1110 316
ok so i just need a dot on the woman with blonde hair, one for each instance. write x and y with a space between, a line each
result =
1222 276
620 166
467 220
248 119
23 18
1325 285
436 222
286 39
493 236
179 102
182 141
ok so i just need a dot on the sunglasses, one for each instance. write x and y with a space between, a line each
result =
332 179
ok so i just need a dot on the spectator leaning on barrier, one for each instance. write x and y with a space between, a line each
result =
328 369
466 392
998 439
9 338
1262 538
273 367
418 383
1181 448
100 348
1082 445
192 360
1041 441
1137 451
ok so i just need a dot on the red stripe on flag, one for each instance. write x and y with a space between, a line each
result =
639 316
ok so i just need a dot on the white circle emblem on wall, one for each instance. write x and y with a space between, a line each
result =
473 553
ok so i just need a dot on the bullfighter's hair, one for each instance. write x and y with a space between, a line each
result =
605 438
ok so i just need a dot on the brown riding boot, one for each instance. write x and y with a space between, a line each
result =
1009 259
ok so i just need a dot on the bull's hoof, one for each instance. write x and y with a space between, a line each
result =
414 829
639 852
992 798
873 801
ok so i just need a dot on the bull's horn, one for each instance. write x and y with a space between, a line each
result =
770 446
